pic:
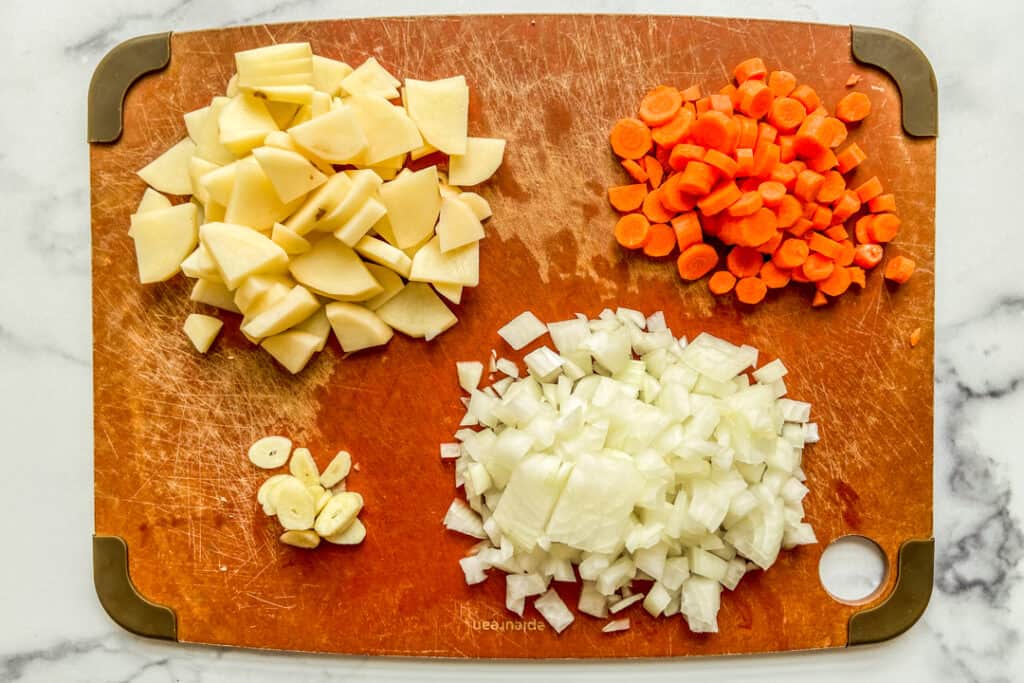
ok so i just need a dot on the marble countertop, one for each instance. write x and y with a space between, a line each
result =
53 629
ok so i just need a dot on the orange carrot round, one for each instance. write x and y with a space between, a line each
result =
786 114
817 267
783 174
755 98
768 248
751 290
743 261
823 162
635 170
660 105
722 101
884 227
697 178
791 254
846 253
788 211
773 276
838 130
719 198
847 205
806 96
836 283
853 107
630 138
697 261
781 83
750 68
626 198
744 161
862 229
771 192
721 162
632 231
748 132
654 209
850 158
758 227
712 129
899 269
883 203
808 183
813 137
748 203
683 154
857 276
869 189
655 171
691 94
661 240
821 218
721 282
687 229
832 188
673 132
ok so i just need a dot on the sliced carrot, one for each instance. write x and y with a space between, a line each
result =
744 261
773 276
846 253
857 276
635 170
655 211
767 161
801 227
702 105
655 171
869 189
750 68
697 178
797 274
837 233
749 184
721 102
808 183
748 132
821 218
632 231
697 261
806 96
673 132
766 133
660 105
884 227
868 256
691 94
751 290
809 209
791 254
788 211
687 230
817 267
833 187
673 199
721 162
682 154
758 228
836 283
630 138
862 229
783 174
711 129
823 245
798 165
787 148
882 203
844 207
823 162
813 137
853 107
850 158
721 282
662 154
781 83
819 298
755 98
768 248
720 226
719 199
661 240
771 192
899 269
626 198
838 130
744 161
786 114
748 203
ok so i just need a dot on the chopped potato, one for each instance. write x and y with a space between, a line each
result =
456 267
482 158
334 270
357 327
417 311
201 330
169 171
163 238
441 111
370 78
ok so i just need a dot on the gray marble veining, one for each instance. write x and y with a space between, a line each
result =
51 627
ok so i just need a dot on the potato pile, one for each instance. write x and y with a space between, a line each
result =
303 216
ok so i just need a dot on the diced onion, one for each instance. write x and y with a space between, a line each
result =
554 610
616 625
469 373
522 330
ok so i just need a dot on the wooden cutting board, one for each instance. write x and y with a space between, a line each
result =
171 427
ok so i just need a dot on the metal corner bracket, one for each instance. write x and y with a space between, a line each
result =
118 595
909 67
906 602
115 74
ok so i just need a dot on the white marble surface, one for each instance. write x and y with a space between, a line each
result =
51 626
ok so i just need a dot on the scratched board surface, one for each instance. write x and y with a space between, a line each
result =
172 427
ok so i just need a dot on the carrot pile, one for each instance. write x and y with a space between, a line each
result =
764 169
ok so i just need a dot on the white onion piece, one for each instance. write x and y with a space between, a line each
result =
469 373
616 625
657 599
507 367
554 610
522 330
450 451
463 520
622 604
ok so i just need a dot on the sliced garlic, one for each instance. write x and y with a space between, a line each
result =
263 495
322 501
294 505
270 452
337 470
301 539
338 514
303 467
353 535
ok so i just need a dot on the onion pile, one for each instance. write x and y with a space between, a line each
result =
627 455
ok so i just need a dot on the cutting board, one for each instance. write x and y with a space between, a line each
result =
183 550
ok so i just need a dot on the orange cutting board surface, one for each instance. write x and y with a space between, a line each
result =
172 427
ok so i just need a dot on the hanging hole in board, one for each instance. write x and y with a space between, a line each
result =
853 569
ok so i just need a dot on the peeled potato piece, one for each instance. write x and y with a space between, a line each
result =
451 292
254 201
413 204
243 124
417 311
219 182
201 330
318 204
194 121
213 293
389 130
457 267
328 73
370 78
292 349
291 175
480 206
482 158
336 136
390 281
169 171
353 230
288 240
457 225
364 184
282 64
298 305
357 327
240 252
317 325
163 239
254 290
208 145
440 110
152 201
380 252
334 270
